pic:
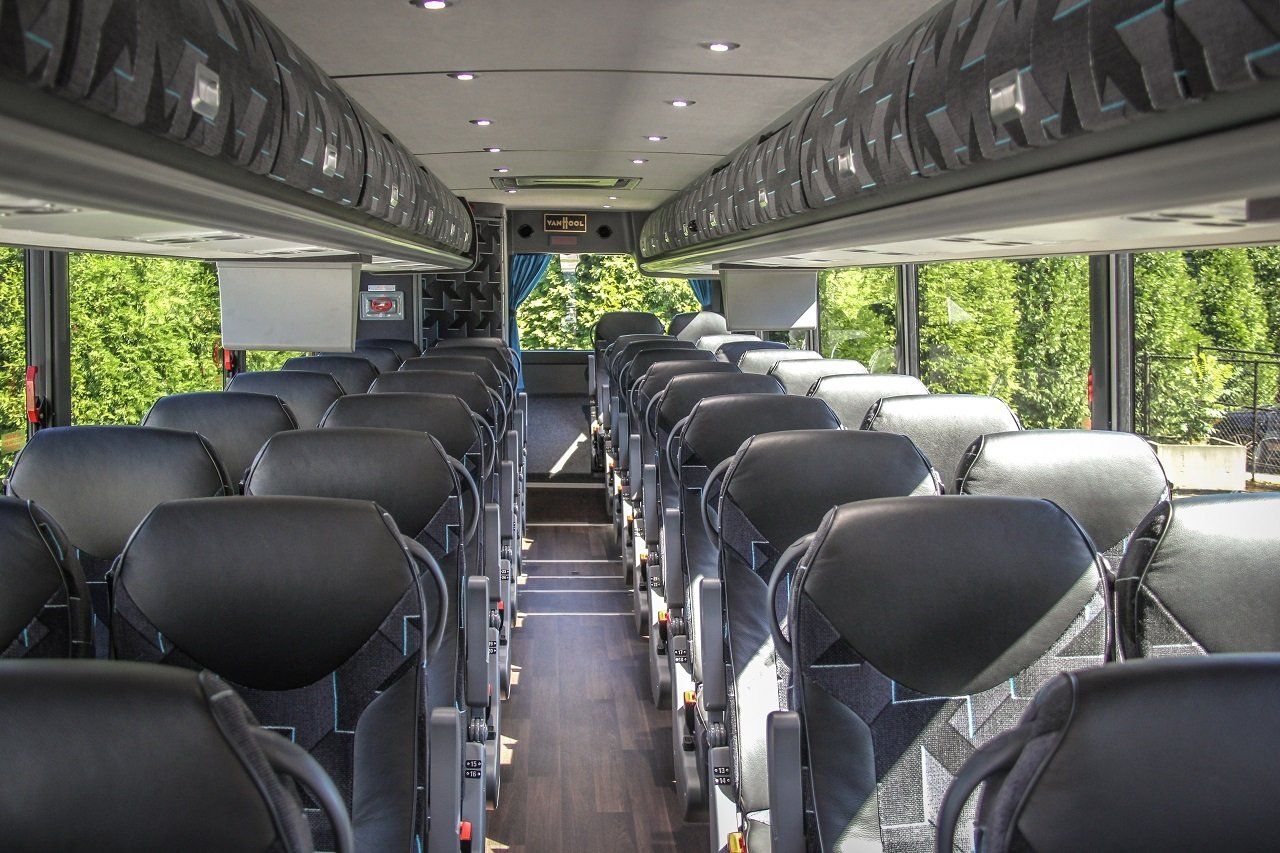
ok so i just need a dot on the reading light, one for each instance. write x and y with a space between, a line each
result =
464 76
680 103
639 161
720 46
494 150
502 170
607 206
481 122
432 5
613 198
655 138
511 192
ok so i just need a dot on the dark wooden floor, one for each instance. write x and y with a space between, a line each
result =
587 757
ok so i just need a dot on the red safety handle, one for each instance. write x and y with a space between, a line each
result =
33 402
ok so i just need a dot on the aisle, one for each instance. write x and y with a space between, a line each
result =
587 756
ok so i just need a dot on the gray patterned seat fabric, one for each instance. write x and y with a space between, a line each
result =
401 347
307 394
112 755
799 375
922 628
1141 728
777 490
44 607
851 396
235 423
942 425
763 360
1202 575
100 482
384 359
314 611
353 372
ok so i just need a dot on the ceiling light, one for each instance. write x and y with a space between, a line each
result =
720 46
432 5
482 122
512 192
639 161
494 150
606 206
679 103
655 138
464 76
502 170
613 198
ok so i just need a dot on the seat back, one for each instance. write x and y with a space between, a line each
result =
680 321
626 353
614 324
712 342
447 418
468 387
684 392
314 611
919 629
851 396
1202 575
473 364
1108 481
235 423
353 372
799 375
404 349
700 325
731 351
44 609
763 360
632 373
1137 728
384 359
656 379
942 425
308 394
118 756
496 357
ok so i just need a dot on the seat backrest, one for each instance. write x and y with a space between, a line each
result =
851 396
659 375
473 364
719 425
680 321
308 394
712 342
354 373
614 324
235 423
403 348
468 387
922 627
479 341
624 355
1202 575
702 324
615 346
129 756
447 418
631 374
44 609
312 609
384 359
1138 728
496 357
1108 481
942 425
684 392
799 375
763 360
731 351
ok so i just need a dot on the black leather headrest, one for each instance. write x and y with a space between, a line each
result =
236 423
307 394
942 425
401 347
470 388
950 596
659 375
644 360
718 425
731 351
763 360
1108 481
624 355
680 321
1211 563
496 357
684 392
446 417
615 346
99 482
354 373
30 573
614 324
785 482
799 375
403 471
384 359
1191 742
713 342
472 364
702 324
481 341
272 593
852 396
115 755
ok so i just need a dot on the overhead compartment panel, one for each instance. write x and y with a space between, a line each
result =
1226 45
33 36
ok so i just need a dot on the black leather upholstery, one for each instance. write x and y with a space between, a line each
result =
1187 745
496 357
473 364
384 359
468 387
477 341
763 360
354 373
702 324
401 347
713 342
852 396
44 602
312 608
625 354
684 392
614 324
659 375
731 351
308 394
1202 574
799 375
942 425
614 347
1108 481
124 757
235 423
446 417
921 627
680 321
632 373
719 425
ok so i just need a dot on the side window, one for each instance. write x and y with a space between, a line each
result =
857 316
13 355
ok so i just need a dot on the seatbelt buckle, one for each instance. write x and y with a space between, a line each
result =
464 836
690 699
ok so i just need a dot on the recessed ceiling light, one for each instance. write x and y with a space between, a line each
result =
464 76
511 192
502 170
613 198
494 150
607 206
639 161
655 138
720 46
482 122
432 5
680 103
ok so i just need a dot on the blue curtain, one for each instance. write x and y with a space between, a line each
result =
703 289
526 271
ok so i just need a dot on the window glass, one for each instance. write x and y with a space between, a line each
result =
857 310
140 328
261 359
13 355
562 311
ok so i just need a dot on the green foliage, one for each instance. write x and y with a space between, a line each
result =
968 327
140 328
857 308
1052 343
1265 261
262 359
13 355
1232 314
563 309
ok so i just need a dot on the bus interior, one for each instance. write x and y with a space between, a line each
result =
460 425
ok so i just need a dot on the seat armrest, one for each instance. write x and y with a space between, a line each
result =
786 792
710 652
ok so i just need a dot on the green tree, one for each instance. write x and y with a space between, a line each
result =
856 315
1052 343
968 327
13 355
1232 314
1265 261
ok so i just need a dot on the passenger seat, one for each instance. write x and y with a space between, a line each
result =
732 351
44 603
308 394
700 325
354 373
404 349
942 425
763 360
712 342
852 396
799 375
384 359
